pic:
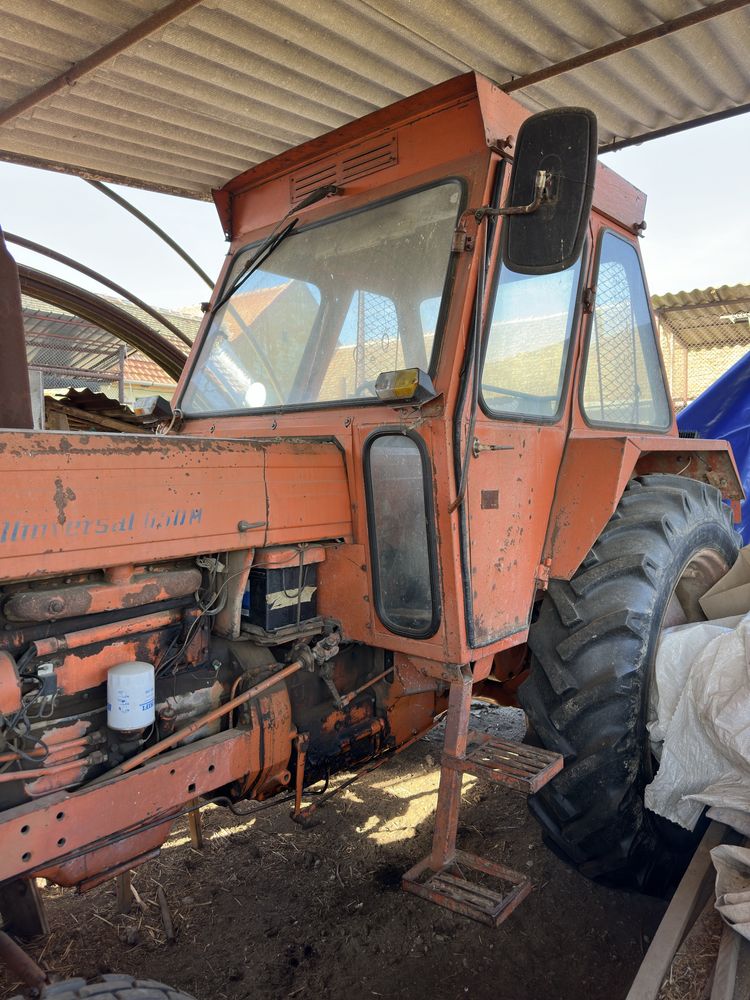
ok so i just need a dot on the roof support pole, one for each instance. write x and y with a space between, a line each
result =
622 44
15 393
90 273
142 217
114 48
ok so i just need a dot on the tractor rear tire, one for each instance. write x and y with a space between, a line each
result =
587 694
110 988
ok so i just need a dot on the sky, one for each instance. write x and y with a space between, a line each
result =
698 220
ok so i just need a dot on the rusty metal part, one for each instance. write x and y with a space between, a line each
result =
80 763
97 58
60 749
106 632
20 963
449 790
381 761
89 272
88 599
70 517
524 768
10 685
301 742
150 224
15 393
442 877
288 555
95 309
65 824
348 698
450 888
623 44
228 621
94 867
217 713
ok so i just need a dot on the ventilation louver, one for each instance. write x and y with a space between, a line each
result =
348 166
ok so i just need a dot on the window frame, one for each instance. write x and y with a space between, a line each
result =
446 296
601 424
427 486
569 360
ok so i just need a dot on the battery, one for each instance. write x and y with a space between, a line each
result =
275 598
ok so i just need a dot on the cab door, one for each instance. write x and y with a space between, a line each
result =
517 446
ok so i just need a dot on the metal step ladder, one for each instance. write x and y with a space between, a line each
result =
457 880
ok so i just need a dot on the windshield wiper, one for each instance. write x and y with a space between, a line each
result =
274 238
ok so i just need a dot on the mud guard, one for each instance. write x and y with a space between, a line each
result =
595 471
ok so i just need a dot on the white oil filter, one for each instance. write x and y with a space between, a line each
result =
130 696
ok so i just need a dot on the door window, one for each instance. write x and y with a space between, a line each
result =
623 383
527 343
400 512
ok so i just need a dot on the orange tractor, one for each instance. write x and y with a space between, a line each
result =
423 451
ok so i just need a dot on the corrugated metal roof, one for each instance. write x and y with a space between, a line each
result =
706 317
57 340
228 83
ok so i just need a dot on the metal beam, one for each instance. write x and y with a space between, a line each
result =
623 44
743 300
150 224
114 48
660 133
90 273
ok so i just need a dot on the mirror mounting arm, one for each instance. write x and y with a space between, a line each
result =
542 191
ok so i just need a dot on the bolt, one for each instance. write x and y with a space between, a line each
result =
55 606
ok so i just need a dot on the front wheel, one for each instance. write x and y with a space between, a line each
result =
587 694
109 987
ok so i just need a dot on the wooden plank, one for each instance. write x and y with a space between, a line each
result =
124 893
677 919
195 826
22 908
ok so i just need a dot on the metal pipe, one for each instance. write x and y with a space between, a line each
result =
53 749
20 964
348 698
200 722
623 44
15 391
660 133
106 632
124 41
90 273
150 224
43 772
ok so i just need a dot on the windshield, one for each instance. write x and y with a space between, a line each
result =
332 307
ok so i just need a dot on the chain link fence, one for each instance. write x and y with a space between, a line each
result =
702 333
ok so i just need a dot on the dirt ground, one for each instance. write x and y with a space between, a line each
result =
269 910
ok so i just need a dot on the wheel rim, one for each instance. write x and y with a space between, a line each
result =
698 575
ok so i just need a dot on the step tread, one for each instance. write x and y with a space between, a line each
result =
516 765
449 888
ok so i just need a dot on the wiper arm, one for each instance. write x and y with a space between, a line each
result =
260 255
274 238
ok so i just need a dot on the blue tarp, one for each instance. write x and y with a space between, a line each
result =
723 412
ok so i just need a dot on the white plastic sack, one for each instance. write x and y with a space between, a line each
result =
733 886
706 727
